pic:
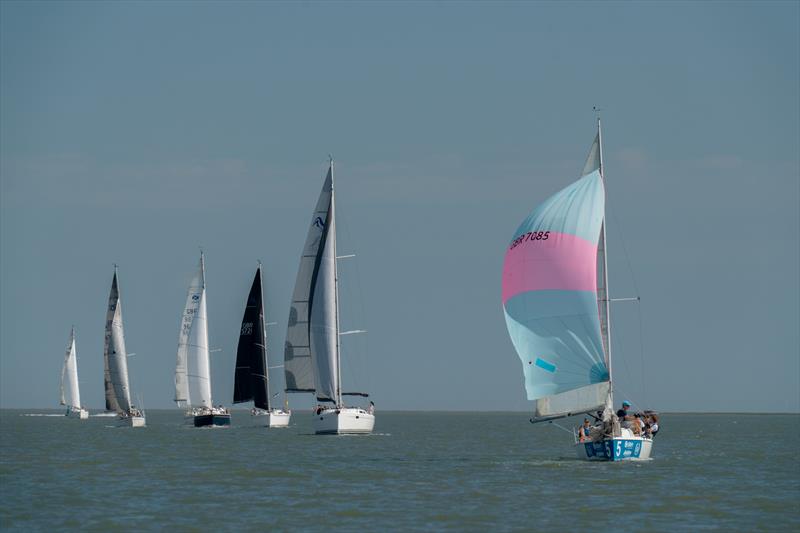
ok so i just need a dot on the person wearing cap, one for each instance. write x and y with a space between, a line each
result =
625 418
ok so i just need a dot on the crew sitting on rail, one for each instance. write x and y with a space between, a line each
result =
584 430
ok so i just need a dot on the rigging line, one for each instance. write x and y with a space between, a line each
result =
354 362
618 351
625 252
641 352
638 308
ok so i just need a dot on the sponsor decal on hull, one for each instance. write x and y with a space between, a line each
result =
613 450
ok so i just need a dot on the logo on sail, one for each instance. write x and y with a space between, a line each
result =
318 223
195 297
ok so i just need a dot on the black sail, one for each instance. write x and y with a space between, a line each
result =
250 381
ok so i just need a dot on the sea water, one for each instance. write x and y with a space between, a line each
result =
417 472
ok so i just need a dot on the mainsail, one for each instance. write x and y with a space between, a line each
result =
311 354
70 393
115 357
551 302
251 378
192 369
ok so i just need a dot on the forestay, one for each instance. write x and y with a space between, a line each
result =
115 357
192 369
70 392
550 299
251 381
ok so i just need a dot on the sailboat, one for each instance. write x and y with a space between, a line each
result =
115 362
70 392
312 356
192 369
556 304
251 379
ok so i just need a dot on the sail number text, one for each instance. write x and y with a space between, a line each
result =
530 236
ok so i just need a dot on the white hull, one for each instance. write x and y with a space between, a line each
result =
275 418
132 421
347 420
81 414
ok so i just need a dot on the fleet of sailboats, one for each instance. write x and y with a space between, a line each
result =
556 304
555 300
251 377
312 355
193 368
70 390
115 361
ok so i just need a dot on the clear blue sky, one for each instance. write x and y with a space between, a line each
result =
132 132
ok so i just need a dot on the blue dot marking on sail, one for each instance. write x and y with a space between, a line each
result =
545 365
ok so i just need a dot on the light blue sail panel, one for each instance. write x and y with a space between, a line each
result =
550 293
577 209
557 340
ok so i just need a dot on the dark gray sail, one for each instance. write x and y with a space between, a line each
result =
251 381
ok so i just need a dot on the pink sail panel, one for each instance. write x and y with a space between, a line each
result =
561 262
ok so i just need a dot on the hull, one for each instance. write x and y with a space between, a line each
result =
348 420
615 449
207 420
80 414
275 418
132 421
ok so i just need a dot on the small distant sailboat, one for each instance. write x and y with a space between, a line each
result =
251 381
192 369
115 362
70 391
312 356
556 304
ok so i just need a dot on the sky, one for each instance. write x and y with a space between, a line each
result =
136 132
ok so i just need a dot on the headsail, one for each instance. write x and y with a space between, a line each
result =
251 378
551 304
70 392
192 369
310 354
115 357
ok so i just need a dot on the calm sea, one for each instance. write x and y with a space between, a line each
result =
419 471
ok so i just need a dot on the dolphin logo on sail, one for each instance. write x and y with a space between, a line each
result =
319 223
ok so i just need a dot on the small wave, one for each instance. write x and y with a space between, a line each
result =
104 415
40 414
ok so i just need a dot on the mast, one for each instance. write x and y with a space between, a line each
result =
263 333
336 291
202 271
606 303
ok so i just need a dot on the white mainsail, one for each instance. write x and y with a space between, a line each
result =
70 392
192 369
115 357
324 328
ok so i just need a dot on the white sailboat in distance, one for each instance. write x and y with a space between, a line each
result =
251 376
115 360
70 390
192 368
556 304
312 356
